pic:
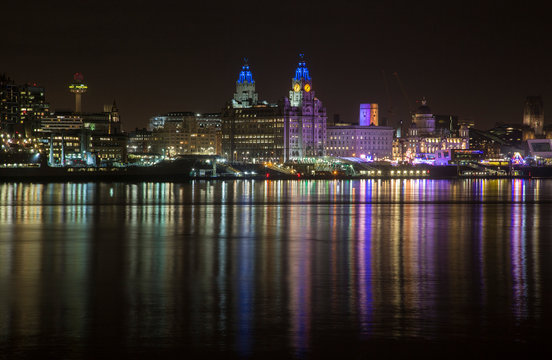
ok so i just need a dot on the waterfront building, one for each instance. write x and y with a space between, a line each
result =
533 118
182 133
252 130
373 142
140 141
109 149
425 139
256 131
304 118
71 138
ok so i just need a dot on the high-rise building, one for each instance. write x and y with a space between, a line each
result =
304 118
32 108
368 115
533 115
21 107
9 104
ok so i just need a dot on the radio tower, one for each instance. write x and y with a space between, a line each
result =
78 87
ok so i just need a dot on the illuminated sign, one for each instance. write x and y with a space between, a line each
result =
78 86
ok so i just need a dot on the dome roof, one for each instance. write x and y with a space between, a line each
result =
423 109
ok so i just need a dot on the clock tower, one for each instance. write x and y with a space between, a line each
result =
301 84
304 118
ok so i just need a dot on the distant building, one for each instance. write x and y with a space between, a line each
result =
181 133
21 107
374 142
140 141
446 124
423 121
533 117
425 138
71 138
9 104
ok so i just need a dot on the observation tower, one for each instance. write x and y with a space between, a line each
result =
78 87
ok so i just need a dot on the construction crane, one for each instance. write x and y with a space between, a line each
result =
390 112
408 105
405 94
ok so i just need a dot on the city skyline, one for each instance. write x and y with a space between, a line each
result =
466 61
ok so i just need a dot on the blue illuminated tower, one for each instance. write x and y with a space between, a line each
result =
245 95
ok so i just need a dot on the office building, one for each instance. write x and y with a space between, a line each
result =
369 142
252 130
184 133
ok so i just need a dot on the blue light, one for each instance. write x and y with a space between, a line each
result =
246 75
302 72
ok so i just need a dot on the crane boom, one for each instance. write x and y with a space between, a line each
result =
405 94
390 112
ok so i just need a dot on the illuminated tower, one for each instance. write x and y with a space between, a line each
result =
245 95
78 87
533 114
368 115
304 118
301 83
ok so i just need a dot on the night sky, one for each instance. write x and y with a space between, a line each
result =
478 60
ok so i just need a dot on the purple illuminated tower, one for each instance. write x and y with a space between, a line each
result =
368 115
304 118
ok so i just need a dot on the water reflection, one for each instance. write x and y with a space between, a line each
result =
248 267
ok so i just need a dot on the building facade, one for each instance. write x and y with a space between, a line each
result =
374 142
252 130
21 107
425 139
533 118
185 133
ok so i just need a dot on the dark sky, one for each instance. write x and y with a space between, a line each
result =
478 60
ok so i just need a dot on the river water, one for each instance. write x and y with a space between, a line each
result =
275 269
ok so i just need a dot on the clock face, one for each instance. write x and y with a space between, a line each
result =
307 87
297 87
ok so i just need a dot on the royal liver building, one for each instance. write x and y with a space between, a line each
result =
304 118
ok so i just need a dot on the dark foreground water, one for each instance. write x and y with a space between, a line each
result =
276 269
